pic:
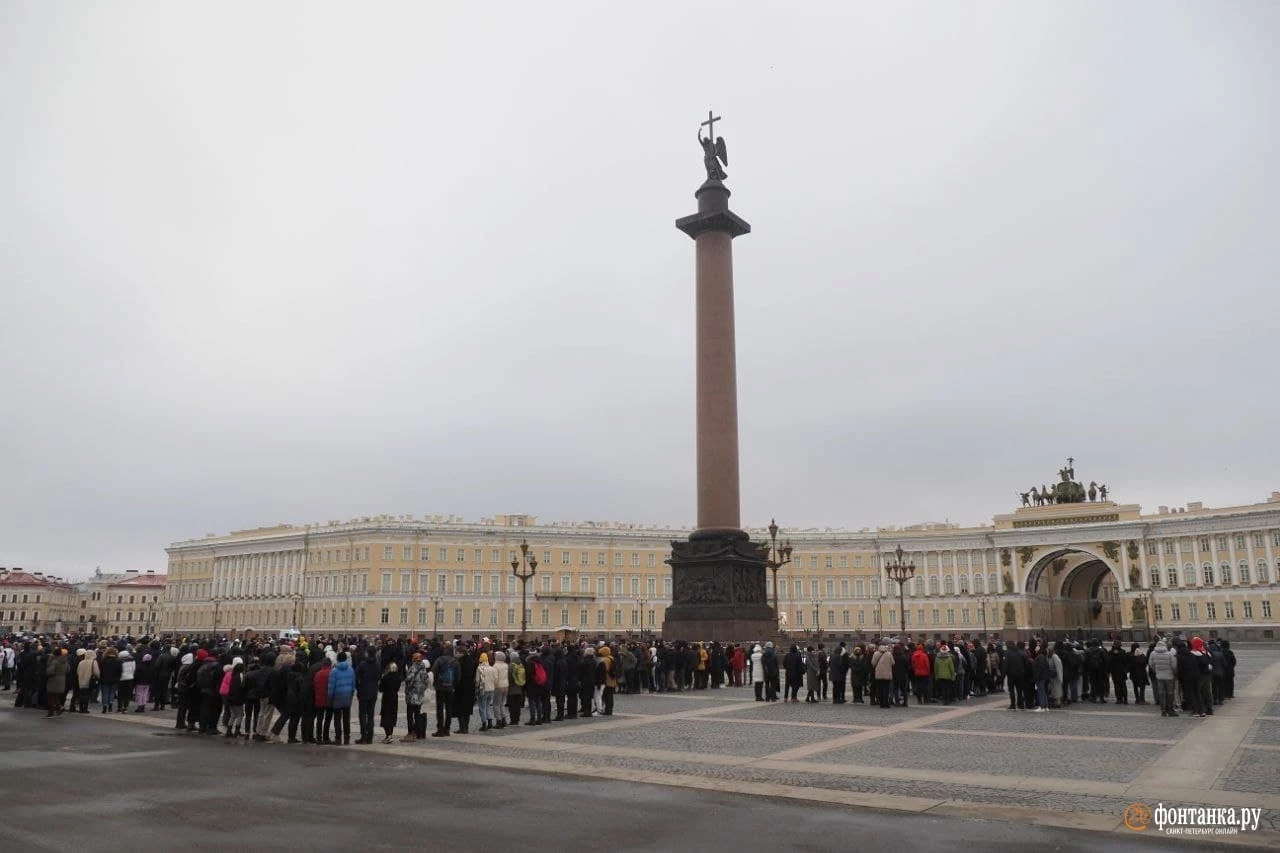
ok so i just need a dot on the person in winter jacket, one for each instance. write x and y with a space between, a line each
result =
1163 666
609 667
464 695
757 672
882 669
55 686
486 683
128 666
144 677
515 688
812 676
1204 676
444 674
389 687
1138 674
501 677
922 675
341 690
1219 659
794 666
1041 674
944 674
368 680
87 677
417 681
320 690
234 699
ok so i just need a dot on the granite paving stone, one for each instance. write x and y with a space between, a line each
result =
1265 732
976 753
1254 770
1071 723
852 715
705 736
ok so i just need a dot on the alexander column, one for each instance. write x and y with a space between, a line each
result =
718 576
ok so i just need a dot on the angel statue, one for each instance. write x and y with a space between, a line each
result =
713 150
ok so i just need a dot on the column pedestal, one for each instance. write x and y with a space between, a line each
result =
718 590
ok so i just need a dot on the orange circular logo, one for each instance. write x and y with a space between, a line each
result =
1137 816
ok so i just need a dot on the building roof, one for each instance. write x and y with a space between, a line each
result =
20 577
149 580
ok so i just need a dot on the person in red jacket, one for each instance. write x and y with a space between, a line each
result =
922 674
321 685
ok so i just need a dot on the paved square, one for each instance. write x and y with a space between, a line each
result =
1070 722
704 736
1254 770
977 753
846 715
1267 733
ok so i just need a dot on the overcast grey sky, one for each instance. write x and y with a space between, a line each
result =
297 262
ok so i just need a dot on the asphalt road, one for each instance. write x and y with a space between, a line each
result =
86 783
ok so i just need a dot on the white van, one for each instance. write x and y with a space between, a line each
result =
290 634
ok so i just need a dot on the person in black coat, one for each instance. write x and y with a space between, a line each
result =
793 664
389 687
838 667
586 681
572 660
1016 670
1118 665
464 694
559 679
772 673
1229 678
367 677
165 665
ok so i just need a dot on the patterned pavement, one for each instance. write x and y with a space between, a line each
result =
1078 767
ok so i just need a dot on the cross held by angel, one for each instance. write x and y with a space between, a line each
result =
713 150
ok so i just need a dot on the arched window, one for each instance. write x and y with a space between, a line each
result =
1225 574
993 585
1155 578
948 585
1244 572
977 584
920 586
964 584
1189 575
1172 573
1207 569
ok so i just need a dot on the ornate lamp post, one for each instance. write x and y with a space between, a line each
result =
901 573
778 557
642 604
217 604
982 612
817 616
530 562
151 618
297 601
435 616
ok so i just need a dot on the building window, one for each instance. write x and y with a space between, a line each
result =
564 558
1225 572
875 587
1152 549
1263 576
600 618
475 616
800 617
617 558
635 559
1210 610
844 587
1208 574
386 581
964 584
442 583
1168 546
1248 609
936 616
426 555
1155 578
584 559
459 584
1173 576
406 581
386 553
1222 543
617 618
461 555
1266 609
653 560
495 555
1229 610
1204 544
813 562
861 618
1189 574
1175 613
666 586
600 586
404 616
844 618
844 561
1244 573
948 585
477 584
422 615
828 562
951 616
1191 611
407 553
386 615
1240 541
1159 612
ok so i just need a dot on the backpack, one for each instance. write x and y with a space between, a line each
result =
539 673
225 687
517 674
448 674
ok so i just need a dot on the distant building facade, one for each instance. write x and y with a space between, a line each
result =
35 602
1086 567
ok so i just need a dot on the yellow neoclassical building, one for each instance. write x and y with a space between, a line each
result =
1084 567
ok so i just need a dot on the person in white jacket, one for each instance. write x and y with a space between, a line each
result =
486 685
502 677
757 672
125 691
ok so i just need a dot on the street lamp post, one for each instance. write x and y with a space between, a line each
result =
817 616
151 618
435 616
524 567
778 557
297 607
642 604
217 604
982 611
901 573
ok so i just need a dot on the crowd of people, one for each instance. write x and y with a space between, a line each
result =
279 690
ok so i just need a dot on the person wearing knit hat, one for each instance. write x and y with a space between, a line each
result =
389 687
